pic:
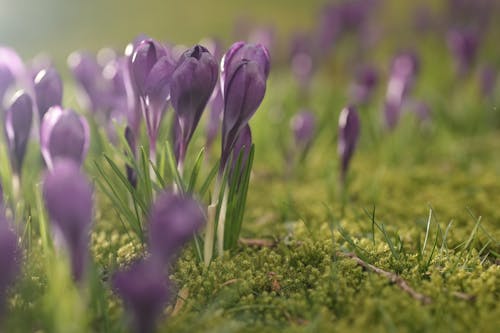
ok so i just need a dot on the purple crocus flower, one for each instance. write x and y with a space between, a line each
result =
10 255
173 221
404 69
150 72
364 85
303 126
64 134
6 80
145 292
12 74
348 138
244 72
18 120
68 199
48 90
463 45
191 86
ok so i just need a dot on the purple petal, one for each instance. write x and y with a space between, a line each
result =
303 126
348 137
48 90
18 122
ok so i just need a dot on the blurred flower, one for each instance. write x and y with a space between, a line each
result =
131 173
150 72
244 72
422 111
64 134
191 86
18 120
488 79
6 80
404 70
145 291
173 221
364 85
303 126
348 137
68 199
264 36
13 74
463 45
48 90
302 59
10 256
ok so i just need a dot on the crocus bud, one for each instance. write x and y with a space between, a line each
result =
64 134
68 199
463 45
48 90
10 255
18 120
173 221
348 137
303 127
364 85
244 71
145 292
192 84
6 80
150 72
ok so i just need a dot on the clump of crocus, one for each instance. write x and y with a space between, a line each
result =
48 90
463 45
191 86
68 198
151 69
63 134
18 121
403 72
364 84
303 126
10 256
348 136
244 72
145 292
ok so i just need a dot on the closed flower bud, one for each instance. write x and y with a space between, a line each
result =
173 222
347 137
18 121
145 291
48 90
68 199
64 134
192 84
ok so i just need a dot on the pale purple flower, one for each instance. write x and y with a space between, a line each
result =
303 126
488 79
348 137
463 44
18 121
302 59
64 134
68 198
48 90
364 84
13 74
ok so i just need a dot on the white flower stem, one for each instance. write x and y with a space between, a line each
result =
210 228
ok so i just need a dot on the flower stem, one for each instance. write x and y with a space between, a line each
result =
210 229
221 224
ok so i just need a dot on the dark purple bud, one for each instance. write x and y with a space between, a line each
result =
48 90
242 146
7 79
364 85
18 120
348 137
10 256
239 52
64 134
244 93
173 221
193 82
68 199
145 292
130 138
463 45
488 81
303 127
145 56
